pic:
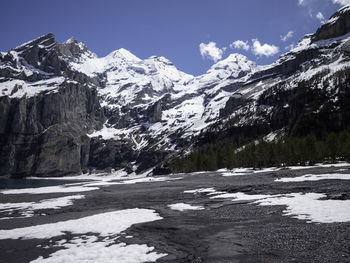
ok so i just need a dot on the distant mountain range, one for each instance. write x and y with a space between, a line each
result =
63 110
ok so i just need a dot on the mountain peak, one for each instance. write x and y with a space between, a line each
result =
44 40
72 48
70 41
235 62
123 54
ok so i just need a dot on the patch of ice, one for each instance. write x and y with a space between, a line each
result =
183 207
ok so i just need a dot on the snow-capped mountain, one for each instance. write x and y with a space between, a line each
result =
66 110
151 98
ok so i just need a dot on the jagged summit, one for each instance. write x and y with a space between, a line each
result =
44 40
70 41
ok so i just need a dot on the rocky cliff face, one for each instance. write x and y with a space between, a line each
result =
45 118
67 111
338 25
46 134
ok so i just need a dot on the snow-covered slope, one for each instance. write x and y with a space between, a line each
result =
151 98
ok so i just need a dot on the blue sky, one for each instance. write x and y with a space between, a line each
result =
174 29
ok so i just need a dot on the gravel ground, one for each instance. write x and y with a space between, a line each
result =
225 231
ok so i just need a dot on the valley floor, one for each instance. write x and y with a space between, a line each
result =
273 216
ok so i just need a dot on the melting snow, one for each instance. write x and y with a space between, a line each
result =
88 247
95 182
183 207
315 177
50 189
245 171
308 206
201 190
27 209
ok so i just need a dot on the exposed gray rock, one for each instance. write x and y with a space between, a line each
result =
339 26
154 113
45 135
72 48
233 104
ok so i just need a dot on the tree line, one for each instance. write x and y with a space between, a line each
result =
284 151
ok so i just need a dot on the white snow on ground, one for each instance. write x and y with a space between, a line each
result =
151 179
26 209
133 181
50 189
315 177
340 164
105 224
119 174
88 250
94 182
88 247
201 190
308 206
239 196
183 207
244 171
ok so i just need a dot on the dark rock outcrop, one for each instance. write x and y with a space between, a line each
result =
339 25
232 104
45 135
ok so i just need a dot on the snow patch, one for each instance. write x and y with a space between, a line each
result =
200 190
309 206
315 177
87 248
50 189
26 209
183 207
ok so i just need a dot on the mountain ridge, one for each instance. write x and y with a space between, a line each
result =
136 113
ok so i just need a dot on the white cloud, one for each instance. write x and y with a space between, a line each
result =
320 17
341 2
301 2
210 51
287 36
239 44
289 47
263 50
